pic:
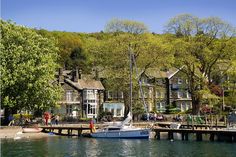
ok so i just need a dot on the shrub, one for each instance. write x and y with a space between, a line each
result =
25 116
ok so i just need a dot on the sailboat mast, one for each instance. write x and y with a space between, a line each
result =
131 84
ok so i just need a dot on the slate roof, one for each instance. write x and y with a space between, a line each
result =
86 84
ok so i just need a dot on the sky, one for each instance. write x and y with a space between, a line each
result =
92 15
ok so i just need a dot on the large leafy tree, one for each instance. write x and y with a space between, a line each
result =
68 43
203 46
79 59
119 25
28 64
112 58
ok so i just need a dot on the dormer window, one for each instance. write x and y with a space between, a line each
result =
144 80
180 81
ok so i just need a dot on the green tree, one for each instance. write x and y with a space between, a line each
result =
112 58
28 64
229 84
118 25
79 58
67 43
202 46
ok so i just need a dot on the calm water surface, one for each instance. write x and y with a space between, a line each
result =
70 147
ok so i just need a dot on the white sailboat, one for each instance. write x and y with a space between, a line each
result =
124 129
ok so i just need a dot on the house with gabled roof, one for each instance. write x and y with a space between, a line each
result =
171 88
81 97
160 90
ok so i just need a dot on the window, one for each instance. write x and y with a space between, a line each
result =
91 109
188 94
109 94
90 102
184 106
158 94
160 105
68 109
90 94
144 80
120 95
118 112
145 93
186 81
114 95
112 111
116 109
68 95
180 94
113 128
180 81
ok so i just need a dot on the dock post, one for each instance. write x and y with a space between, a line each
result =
183 134
192 122
211 121
170 135
199 136
158 135
79 132
212 136
59 131
186 136
234 138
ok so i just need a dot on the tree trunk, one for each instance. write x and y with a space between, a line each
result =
126 103
195 104
7 112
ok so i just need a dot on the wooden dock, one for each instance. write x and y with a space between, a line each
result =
58 130
215 133
219 135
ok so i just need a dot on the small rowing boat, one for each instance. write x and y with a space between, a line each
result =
32 130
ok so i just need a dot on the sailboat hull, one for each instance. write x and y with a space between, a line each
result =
127 134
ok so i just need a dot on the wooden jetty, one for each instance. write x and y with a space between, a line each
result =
220 135
192 126
215 133
69 129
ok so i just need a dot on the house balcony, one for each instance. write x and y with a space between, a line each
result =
179 86
69 102
175 86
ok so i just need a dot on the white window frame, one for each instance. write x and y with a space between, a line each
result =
179 94
90 100
69 95
69 109
187 94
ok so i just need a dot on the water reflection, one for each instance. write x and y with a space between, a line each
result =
73 147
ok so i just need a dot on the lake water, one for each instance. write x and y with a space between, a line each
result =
70 147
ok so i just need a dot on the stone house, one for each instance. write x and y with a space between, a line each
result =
178 91
166 88
82 96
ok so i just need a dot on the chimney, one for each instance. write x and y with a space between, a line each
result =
96 74
60 75
75 75
80 73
